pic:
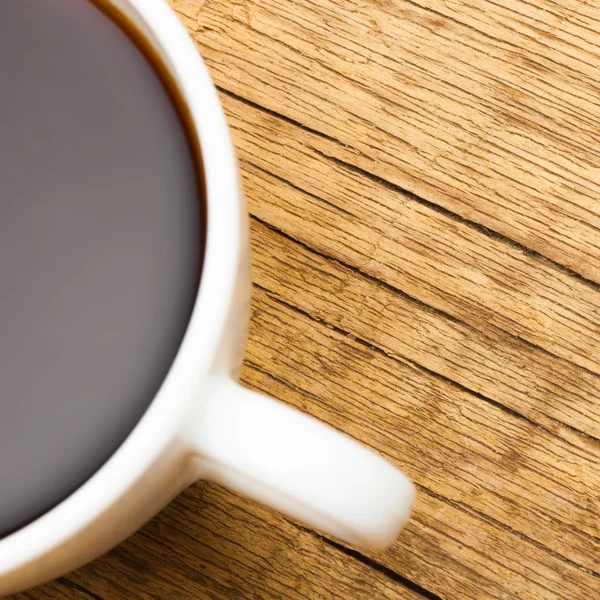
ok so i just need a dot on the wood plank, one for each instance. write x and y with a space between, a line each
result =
210 545
447 440
547 391
56 589
492 301
214 545
447 264
489 110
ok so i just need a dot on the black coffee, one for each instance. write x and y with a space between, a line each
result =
100 245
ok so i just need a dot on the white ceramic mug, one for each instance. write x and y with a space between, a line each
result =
203 425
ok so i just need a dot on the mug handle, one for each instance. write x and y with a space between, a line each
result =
291 462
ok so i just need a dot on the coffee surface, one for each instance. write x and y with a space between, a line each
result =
100 246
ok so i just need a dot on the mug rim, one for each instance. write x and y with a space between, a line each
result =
224 211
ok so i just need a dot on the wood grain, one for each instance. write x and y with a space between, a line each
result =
423 179
211 545
446 264
289 195
497 105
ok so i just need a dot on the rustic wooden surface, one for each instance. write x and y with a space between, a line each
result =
424 180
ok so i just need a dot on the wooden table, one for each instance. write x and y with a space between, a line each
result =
424 180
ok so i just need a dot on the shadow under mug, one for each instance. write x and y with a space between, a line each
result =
202 424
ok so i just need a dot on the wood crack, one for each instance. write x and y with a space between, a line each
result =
438 312
416 198
372 564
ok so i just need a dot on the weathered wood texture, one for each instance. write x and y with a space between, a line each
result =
423 178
